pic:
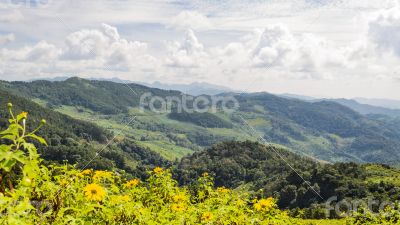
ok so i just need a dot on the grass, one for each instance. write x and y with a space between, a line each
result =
166 149
259 122
380 173
41 102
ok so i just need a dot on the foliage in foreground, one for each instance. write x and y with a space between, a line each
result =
31 193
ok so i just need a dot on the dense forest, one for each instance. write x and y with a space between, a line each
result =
296 182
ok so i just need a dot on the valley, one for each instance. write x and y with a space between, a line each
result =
323 130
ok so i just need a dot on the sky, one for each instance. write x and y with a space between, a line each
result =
320 48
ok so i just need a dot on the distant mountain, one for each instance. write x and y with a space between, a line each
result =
387 103
361 105
300 97
325 130
196 88
62 78
366 109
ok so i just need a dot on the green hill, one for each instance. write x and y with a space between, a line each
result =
324 130
297 182
78 141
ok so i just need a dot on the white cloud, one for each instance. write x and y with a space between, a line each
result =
384 30
10 16
107 48
272 48
304 54
41 51
84 51
190 20
4 39
190 53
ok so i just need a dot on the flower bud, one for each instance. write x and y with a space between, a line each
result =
24 115
9 105
43 122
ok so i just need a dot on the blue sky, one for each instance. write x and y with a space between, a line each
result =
320 48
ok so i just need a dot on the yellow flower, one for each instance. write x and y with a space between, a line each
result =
141 210
132 183
94 192
125 198
120 199
158 170
223 190
63 182
24 115
265 205
99 174
178 207
181 197
207 216
86 172
205 174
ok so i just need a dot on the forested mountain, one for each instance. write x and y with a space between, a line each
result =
386 103
297 182
196 88
78 141
332 126
360 105
366 109
100 96
325 130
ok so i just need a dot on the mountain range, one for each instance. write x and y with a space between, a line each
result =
323 130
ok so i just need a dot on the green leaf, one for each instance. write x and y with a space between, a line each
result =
12 129
5 148
31 150
7 165
40 139
9 137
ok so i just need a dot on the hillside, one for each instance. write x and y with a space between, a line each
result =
78 141
100 96
366 109
196 88
325 130
258 168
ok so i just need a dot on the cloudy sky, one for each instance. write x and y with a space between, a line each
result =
323 48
